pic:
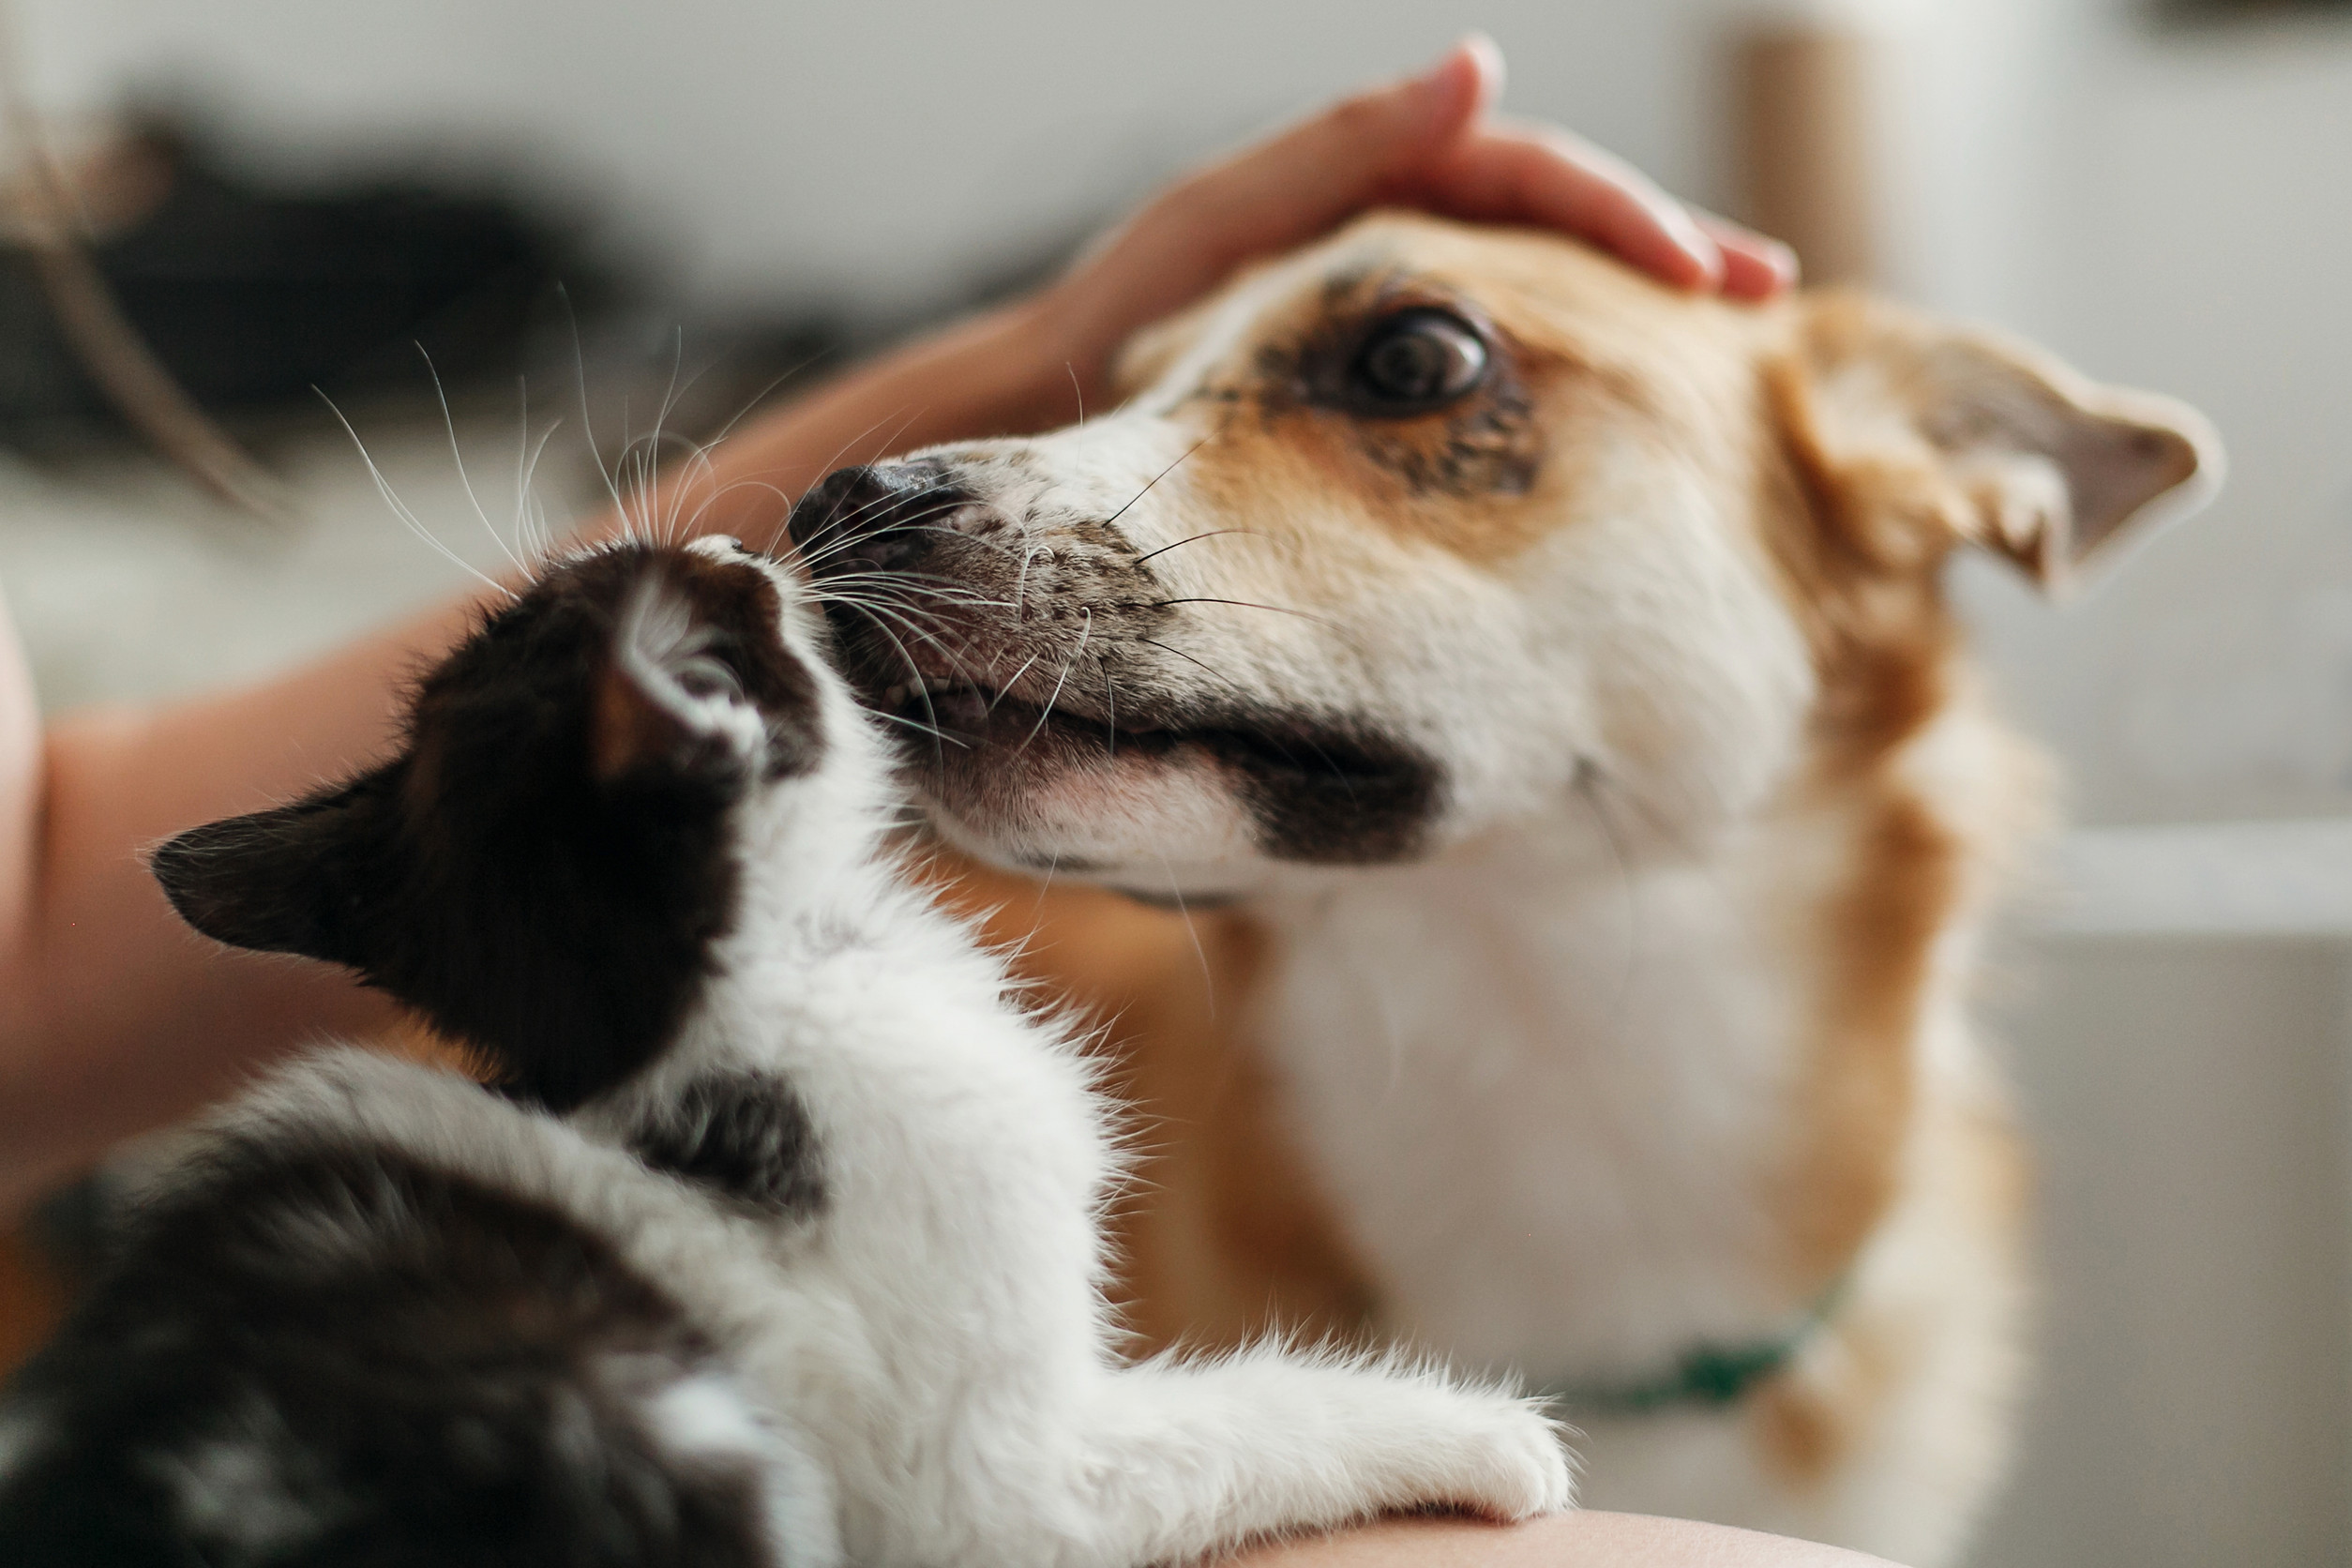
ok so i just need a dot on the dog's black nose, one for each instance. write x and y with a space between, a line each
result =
874 517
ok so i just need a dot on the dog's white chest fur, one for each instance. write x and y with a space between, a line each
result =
1546 1085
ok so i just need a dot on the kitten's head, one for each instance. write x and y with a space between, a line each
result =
546 868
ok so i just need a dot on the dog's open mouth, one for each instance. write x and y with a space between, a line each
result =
977 717
966 713
1318 790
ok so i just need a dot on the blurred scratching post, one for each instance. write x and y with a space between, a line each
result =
1803 98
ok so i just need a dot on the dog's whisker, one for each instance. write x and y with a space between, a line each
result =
1005 688
1055 696
955 665
1207 978
1020 583
1111 711
1246 604
1156 478
1212 534
1212 671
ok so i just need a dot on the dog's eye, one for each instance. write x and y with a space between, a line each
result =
1417 360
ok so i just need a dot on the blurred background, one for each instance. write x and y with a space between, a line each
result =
286 193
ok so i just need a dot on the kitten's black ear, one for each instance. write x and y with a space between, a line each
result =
664 705
292 879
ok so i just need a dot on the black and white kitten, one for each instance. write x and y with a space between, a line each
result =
778 1244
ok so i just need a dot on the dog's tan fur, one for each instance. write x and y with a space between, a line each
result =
1710 543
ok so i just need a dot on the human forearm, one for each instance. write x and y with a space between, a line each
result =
113 1016
996 373
1560 1541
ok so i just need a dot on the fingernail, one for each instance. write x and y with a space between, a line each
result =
1705 254
1488 53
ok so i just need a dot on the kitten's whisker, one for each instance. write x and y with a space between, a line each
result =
957 669
401 510
761 396
465 480
933 732
587 421
528 512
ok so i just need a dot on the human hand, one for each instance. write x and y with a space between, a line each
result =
1428 141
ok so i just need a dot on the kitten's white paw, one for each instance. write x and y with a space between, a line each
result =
1499 1457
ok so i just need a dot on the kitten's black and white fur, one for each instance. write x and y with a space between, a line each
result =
778 1244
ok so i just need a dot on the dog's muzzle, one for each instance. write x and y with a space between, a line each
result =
878 518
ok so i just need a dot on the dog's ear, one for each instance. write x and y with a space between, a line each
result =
296 878
1914 433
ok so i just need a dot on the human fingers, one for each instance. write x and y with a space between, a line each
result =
1268 196
1509 173
1302 181
1755 267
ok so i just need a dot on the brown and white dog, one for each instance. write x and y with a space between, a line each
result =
1545 679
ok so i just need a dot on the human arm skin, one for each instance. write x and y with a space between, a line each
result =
1560 1541
114 1019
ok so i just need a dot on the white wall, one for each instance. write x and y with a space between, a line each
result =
2197 215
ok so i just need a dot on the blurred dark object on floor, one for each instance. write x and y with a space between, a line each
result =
251 294
253 290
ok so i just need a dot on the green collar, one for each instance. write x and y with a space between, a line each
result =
1708 1376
